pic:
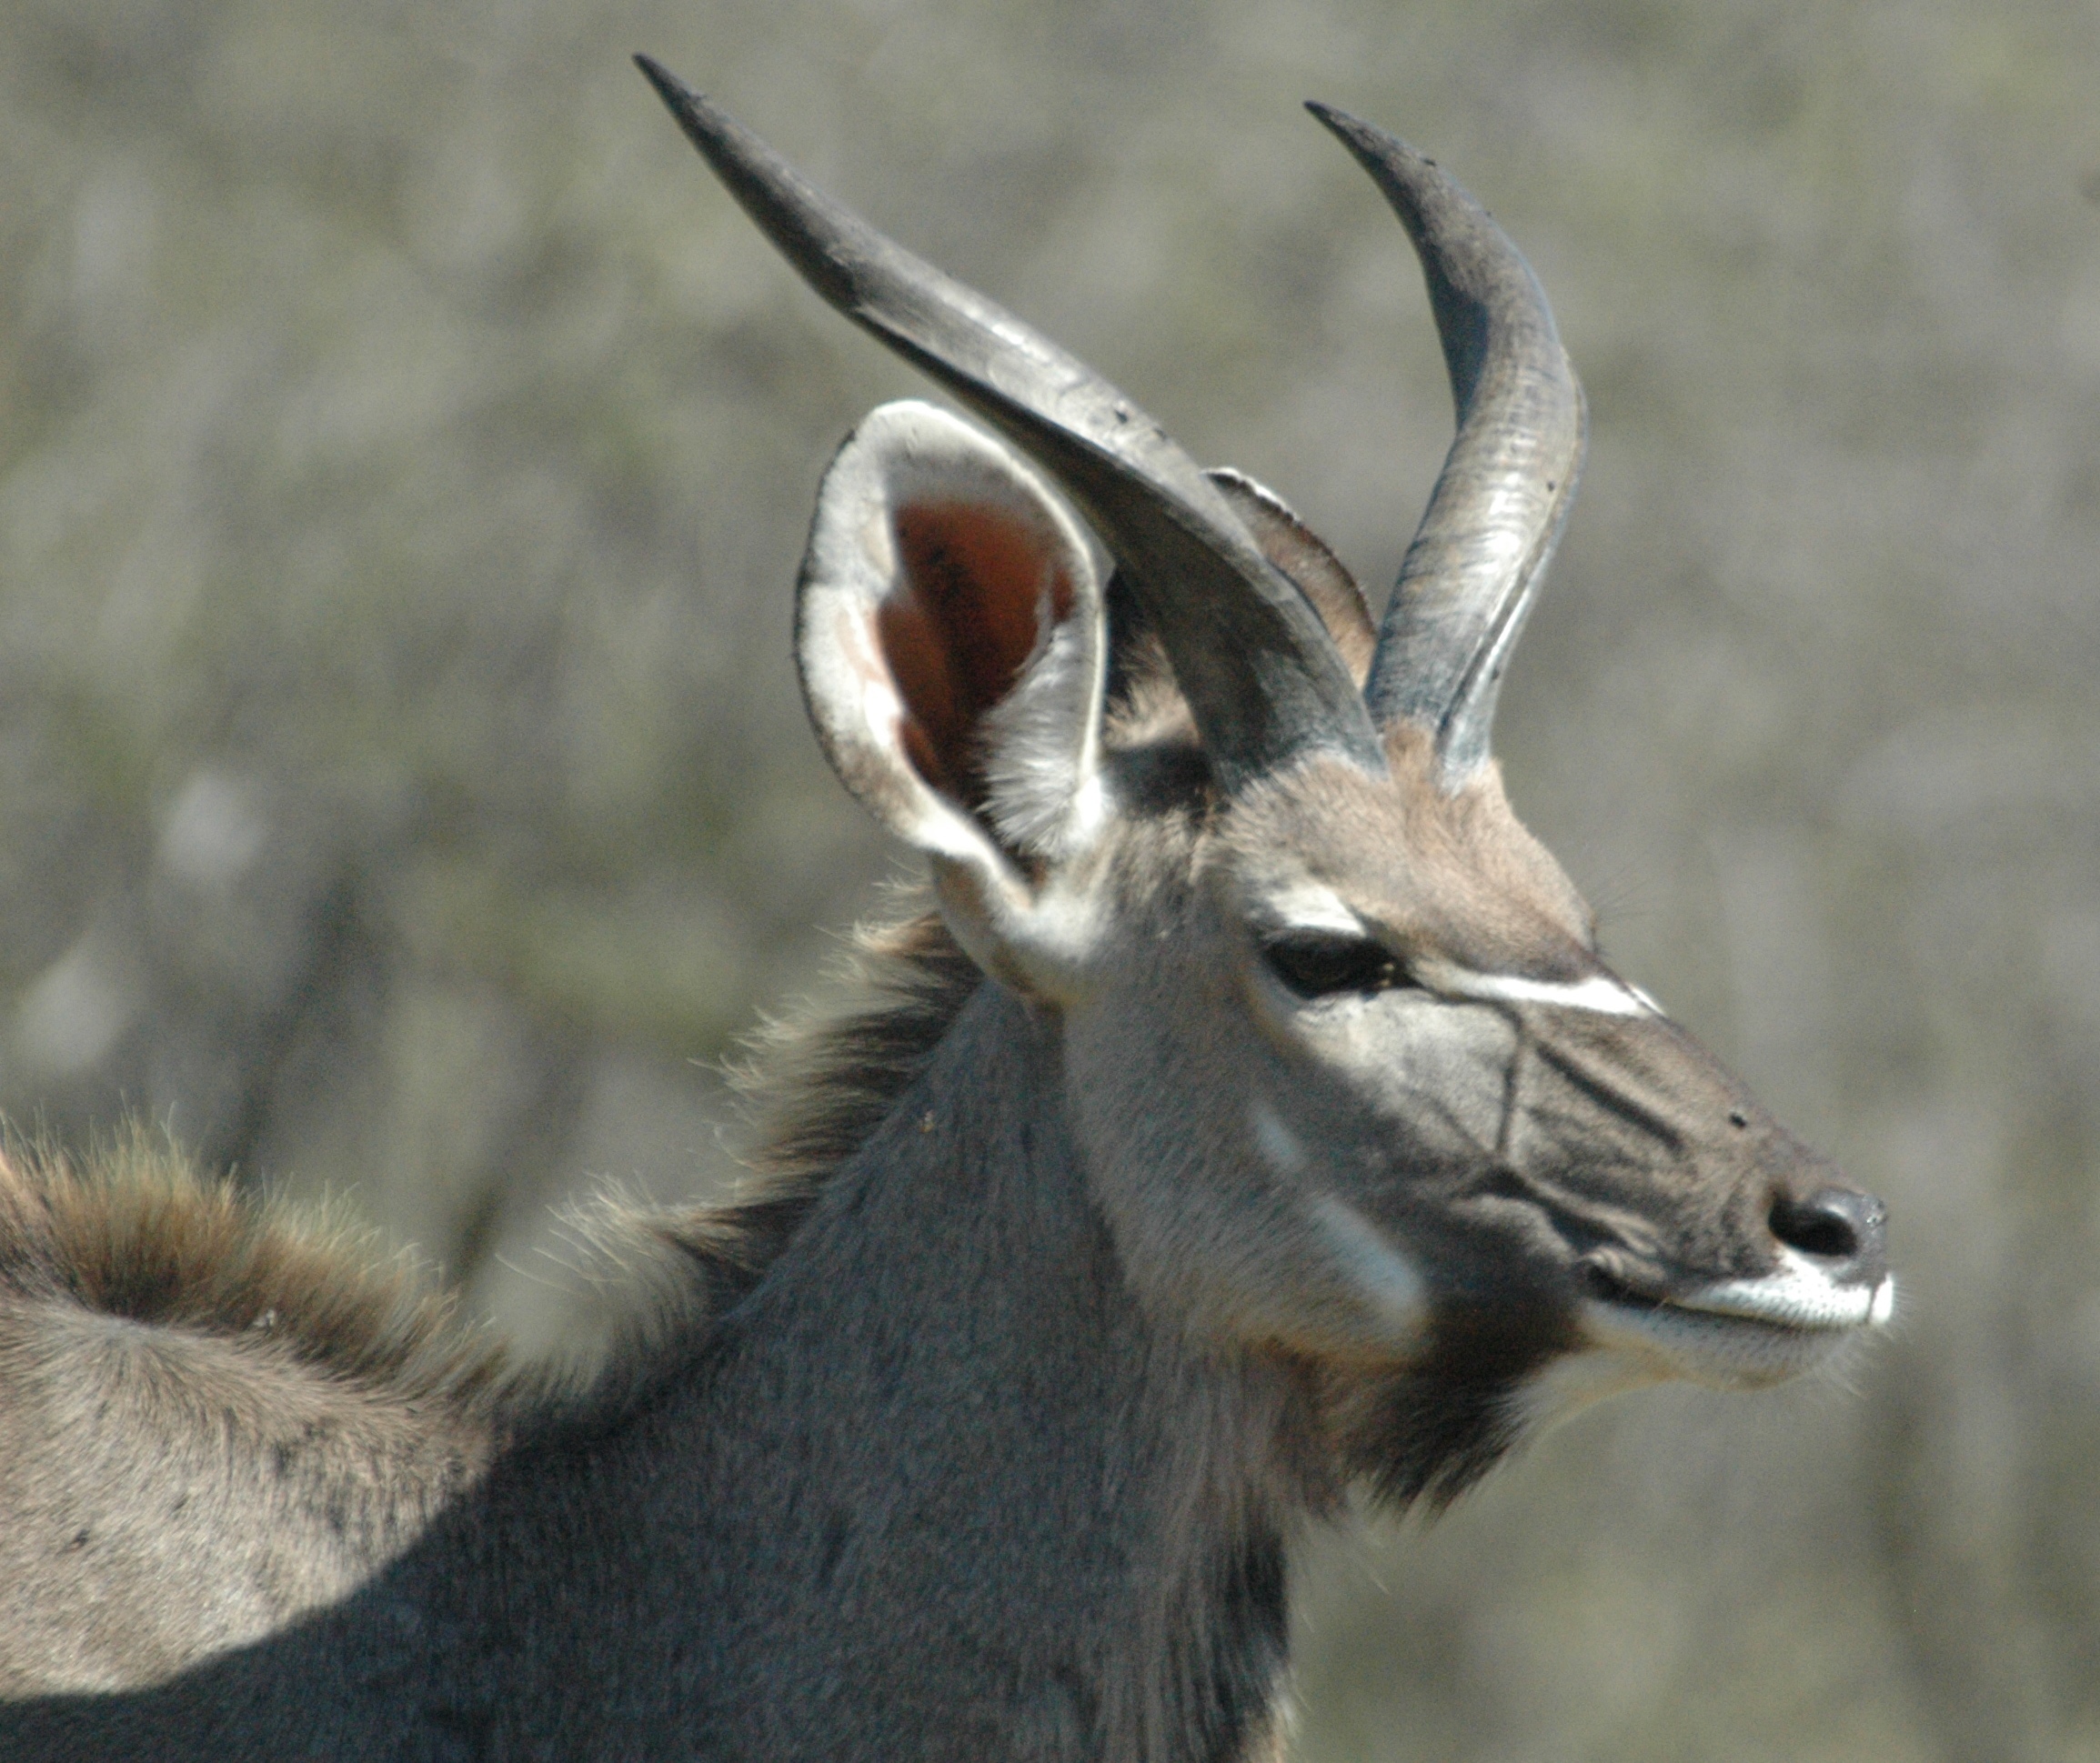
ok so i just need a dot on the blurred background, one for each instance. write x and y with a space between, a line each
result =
405 455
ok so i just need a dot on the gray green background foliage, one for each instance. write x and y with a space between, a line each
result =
405 453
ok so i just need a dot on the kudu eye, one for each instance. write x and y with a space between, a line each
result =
1320 963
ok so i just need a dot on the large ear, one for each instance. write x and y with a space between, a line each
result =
949 632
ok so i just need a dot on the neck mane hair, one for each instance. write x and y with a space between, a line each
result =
132 1231
815 1087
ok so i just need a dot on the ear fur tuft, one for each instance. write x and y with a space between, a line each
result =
1303 555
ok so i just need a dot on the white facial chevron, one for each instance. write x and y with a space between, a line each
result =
1599 992
1313 907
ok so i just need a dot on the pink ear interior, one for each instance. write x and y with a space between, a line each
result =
957 625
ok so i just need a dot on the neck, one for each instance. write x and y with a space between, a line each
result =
1068 1518
937 1487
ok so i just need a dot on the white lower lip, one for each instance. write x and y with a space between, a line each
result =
1798 1294
1743 1333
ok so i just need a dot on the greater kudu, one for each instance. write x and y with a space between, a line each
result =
1253 1117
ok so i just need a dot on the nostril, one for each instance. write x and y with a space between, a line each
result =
1815 1228
1833 1224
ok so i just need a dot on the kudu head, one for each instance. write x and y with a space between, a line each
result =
1353 1085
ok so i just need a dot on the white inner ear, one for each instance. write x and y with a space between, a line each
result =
951 635
1045 786
951 641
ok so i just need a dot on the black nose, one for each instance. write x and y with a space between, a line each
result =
1841 1227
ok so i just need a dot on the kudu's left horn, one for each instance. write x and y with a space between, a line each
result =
1261 677
1481 550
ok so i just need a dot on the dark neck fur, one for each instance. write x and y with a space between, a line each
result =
935 1488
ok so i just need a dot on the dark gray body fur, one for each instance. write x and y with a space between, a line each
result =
899 1503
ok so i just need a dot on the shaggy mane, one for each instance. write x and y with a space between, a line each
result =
817 1087
136 1232
814 1088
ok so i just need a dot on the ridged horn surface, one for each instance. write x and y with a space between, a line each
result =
1251 655
1495 515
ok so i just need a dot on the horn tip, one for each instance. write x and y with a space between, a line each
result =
665 82
1366 140
1429 203
688 103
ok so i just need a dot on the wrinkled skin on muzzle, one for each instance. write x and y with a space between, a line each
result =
1404 1123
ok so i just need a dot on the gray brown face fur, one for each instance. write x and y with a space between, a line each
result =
1256 1116
1448 1183
1353 1083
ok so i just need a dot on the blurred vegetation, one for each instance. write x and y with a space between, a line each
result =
405 451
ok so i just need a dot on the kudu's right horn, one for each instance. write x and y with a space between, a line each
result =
1481 550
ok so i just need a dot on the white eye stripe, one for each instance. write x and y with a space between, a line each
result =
1599 993
1313 908
1320 909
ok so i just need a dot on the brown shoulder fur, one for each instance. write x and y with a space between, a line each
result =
136 1232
